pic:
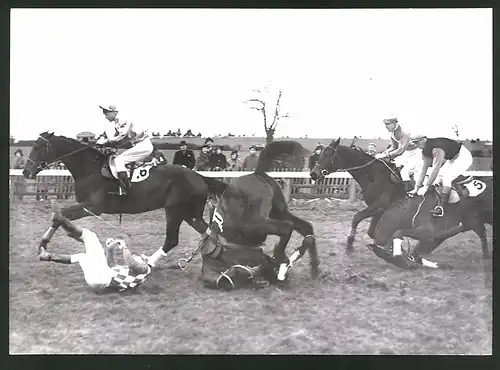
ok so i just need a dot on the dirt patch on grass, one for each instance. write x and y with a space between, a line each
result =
358 305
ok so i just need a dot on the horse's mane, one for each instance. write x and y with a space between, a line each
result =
366 157
287 152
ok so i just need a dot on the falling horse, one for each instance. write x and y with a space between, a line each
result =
380 182
251 208
180 191
470 207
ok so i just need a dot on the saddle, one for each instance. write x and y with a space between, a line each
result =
465 187
156 158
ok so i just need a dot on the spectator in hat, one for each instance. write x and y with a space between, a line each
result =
234 162
202 162
315 156
20 161
372 149
218 161
20 182
251 160
209 143
184 157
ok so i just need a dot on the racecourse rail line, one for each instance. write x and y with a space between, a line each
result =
296 184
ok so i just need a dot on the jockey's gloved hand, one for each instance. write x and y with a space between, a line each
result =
423 190
101 141
380 155
411 193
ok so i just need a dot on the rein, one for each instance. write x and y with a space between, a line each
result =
325 172
47 146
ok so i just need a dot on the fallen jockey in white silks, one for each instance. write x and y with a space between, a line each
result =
99 269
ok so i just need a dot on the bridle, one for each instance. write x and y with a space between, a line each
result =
44 164
325 172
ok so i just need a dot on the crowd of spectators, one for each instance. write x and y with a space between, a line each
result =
212 158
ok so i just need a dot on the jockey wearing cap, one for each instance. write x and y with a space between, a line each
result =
99 270
449 159
126 133
400 144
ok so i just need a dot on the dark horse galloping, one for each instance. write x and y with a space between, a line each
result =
253 206
380 182
180 191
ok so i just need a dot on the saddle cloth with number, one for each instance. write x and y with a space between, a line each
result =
137 171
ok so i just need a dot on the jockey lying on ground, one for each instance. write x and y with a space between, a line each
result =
95 264
449 159
126 133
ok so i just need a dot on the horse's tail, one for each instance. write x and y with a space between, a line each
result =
215 187
285 153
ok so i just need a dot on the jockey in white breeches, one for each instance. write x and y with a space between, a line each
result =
449 159
126 133
401 150
99 269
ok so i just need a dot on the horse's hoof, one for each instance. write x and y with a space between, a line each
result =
349 250
44 256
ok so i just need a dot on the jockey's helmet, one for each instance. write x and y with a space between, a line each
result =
111 108
389 121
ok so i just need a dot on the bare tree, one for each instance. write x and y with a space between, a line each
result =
455 130
260 103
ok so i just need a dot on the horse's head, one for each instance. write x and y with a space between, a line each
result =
40 155
48 149
327 162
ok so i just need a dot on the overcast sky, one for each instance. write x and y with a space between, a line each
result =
341 71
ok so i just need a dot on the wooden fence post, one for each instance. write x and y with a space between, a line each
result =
352 190
287 189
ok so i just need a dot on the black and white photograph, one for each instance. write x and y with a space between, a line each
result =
251 181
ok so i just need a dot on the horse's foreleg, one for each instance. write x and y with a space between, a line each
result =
305 229
373 224
73 212
426 235
358 217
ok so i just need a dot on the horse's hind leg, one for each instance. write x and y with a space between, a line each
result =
195 216
305 229
283 229
480 230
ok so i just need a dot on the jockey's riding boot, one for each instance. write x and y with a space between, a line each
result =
124 181
438 210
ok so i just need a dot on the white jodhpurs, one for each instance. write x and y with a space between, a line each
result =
93 262
455 167
411 160
137 153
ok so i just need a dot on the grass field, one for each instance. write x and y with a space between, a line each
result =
358 305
